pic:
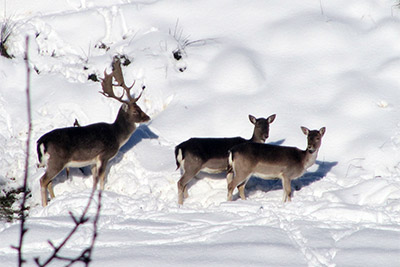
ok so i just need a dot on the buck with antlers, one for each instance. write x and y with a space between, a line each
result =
271 162
94 144
211 154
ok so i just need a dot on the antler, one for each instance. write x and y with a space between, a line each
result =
137 98
117 71
107 84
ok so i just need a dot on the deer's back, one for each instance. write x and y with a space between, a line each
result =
255 152
207 148
268 161
80 142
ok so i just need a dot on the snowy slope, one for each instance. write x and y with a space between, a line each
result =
313 63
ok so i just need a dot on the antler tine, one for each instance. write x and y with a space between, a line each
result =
107 86
117 71
137 98
128 91
119 77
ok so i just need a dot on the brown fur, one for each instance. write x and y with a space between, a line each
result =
211 154
93 145
271 162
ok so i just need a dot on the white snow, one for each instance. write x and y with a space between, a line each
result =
313 63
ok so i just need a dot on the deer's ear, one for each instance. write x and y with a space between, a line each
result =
305 130
322 131
252 119
271 118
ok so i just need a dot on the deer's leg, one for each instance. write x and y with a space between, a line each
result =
229 179
239 181
94 169
185 192
190 169
50 188
102 173
287 189
182 186
230 190
43 190
46 180
241 191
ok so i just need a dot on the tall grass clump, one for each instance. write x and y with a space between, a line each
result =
7 28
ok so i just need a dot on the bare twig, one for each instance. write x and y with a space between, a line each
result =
23 208
86 255
184 41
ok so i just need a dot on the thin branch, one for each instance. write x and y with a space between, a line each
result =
96 220
23 208
85 256
184 41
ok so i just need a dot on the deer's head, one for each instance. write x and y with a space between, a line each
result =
261 126
129 109
314 138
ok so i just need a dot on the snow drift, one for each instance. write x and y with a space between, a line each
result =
313 63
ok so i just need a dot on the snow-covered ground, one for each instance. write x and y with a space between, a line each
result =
313 63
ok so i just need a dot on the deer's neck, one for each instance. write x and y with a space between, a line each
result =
309 158
256 138
123 127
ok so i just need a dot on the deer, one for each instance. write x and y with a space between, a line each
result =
92 145
271 162
211 154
